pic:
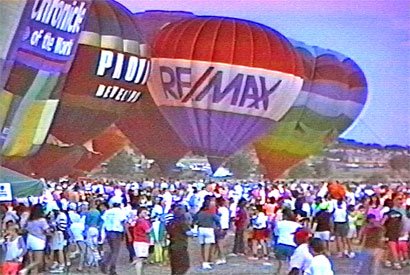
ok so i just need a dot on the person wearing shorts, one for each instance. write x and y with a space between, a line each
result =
37 230
260 228
140 237
341 229
59 240
284 231
393 224
207 220
322 225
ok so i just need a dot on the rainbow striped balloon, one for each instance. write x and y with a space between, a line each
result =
333 95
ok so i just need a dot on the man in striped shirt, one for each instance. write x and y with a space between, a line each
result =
59 222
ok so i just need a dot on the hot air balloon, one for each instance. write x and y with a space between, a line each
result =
38 43
333 95
151 22
107 77
223 82
107 144
146 127
151 133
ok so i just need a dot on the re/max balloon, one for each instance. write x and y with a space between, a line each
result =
333 95
223 82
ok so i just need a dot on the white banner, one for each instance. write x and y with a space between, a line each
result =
5 192
223 87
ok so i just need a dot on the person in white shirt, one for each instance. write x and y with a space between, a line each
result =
167 197
113 221
320 264
341 228
260 234
220 233
77 228
301 258
284 232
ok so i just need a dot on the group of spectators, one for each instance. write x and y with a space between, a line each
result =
84 224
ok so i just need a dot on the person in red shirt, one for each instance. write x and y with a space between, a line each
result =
140 237
241 223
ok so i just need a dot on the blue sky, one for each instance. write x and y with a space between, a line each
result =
374 33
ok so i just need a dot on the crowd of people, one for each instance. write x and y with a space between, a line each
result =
88 222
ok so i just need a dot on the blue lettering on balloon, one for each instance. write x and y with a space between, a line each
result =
235 86
168 86
265 94
215 82
250 92
180 83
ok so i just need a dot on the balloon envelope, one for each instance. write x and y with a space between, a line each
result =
50 162
36 52
146 127
222 82
103 147
333 94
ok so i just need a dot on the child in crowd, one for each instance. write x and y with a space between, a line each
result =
352 233
259 224
15 249
360 218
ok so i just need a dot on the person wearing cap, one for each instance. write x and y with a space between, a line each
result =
114 224
158 234
320 264
301 258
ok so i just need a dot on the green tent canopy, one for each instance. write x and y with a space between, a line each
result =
21 185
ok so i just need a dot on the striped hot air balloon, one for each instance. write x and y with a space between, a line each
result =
107 78
223 82
333 95
38 41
